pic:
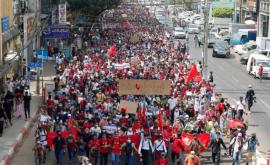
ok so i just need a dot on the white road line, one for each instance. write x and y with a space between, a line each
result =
235 79
268 106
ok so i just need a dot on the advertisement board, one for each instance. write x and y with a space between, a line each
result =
62 32
29 23
62 15
5 24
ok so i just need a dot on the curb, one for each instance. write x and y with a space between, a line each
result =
23 132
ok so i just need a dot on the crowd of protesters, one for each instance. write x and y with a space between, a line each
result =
82 116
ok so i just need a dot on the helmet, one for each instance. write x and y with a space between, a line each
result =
249 86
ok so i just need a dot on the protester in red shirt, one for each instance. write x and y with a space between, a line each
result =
104 149
71 147
177 150
116 150
162 160
94 147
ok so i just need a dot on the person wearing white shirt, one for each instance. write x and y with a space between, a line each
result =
159 147
240 108
96 130
172 103
145 148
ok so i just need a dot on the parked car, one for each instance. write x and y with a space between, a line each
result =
242 49
179 32
193 29
253 63
221 49
244 57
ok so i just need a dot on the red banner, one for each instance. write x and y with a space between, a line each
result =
203 138
233 123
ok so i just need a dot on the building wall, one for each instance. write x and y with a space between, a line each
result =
7 10
1 57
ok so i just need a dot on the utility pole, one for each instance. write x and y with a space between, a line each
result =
205 45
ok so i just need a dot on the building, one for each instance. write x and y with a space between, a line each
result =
9 41
263 19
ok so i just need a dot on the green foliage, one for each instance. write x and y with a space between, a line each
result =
223 12
91 7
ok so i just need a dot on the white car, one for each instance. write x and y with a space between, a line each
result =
193 29
242 49
179 32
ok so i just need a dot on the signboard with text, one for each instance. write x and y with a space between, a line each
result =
144 87
62 8
5 24
62 32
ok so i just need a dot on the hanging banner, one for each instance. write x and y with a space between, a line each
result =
29 20
144 87
62 8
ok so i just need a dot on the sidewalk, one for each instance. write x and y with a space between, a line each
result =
14 135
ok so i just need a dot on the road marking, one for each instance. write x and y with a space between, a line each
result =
268 106
235 79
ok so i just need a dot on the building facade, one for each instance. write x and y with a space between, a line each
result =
263 19
9 41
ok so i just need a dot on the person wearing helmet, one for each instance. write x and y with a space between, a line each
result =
250 97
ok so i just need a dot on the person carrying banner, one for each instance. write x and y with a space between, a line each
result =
215 146
177 150
195 145
159 147
145 148
104 149
129 151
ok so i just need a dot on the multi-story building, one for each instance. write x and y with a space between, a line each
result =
263 19
9 40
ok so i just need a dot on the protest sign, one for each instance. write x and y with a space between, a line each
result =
130 107
144 87
134 39
134 61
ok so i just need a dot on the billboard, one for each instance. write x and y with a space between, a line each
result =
29 23
62 8
56 32
5 24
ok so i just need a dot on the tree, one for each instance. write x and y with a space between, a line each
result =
222 12
91 7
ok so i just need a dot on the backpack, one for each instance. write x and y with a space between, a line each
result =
128 148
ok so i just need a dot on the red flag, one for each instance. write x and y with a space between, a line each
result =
193 73
233 123
160 121
50 137
112 50
203 138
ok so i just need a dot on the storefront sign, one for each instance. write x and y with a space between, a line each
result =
5 24
62 8
56 32
42 54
